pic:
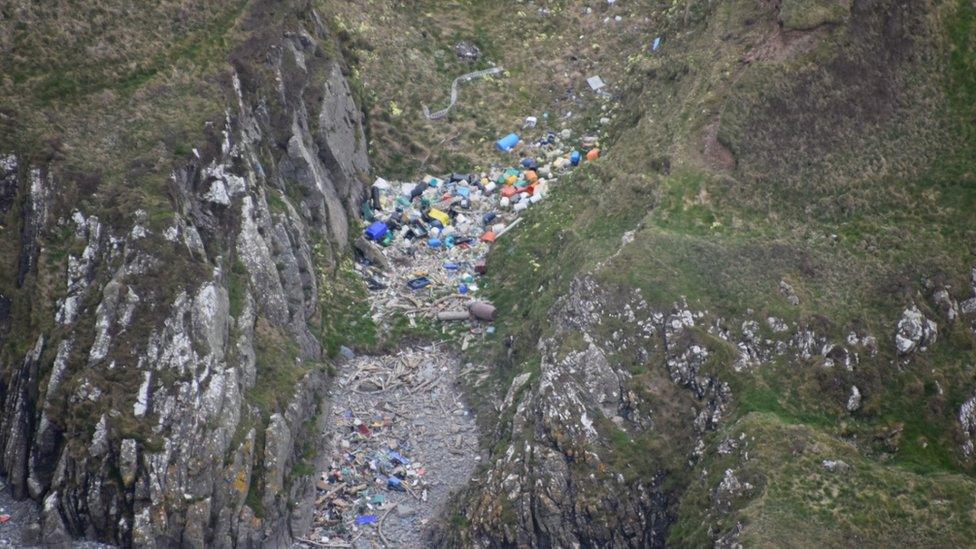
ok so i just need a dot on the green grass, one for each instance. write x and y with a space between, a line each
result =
796 500
806 201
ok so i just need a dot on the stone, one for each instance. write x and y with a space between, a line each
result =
834 465
467 50
915 332
786 290
854 400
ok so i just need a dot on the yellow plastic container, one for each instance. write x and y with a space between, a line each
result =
440 216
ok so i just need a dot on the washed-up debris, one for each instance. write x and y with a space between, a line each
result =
424 253
596 83
453 315
482 310
454 91
400 440
508 142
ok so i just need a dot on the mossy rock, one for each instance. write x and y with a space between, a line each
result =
810 14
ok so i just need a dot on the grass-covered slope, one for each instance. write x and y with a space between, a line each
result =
837 157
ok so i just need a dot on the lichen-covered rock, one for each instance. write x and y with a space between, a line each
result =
132 412
967 422
915 332
854 400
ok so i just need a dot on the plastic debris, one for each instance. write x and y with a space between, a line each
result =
454 91
508 142
482 310
377 231
362 520
429 264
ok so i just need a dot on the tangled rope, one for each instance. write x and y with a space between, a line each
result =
454 91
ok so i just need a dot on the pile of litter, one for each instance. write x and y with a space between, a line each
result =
424 248
401 440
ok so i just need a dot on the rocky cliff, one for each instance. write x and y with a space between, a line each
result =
162 364
730 329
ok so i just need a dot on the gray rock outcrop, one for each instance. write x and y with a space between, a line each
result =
171 393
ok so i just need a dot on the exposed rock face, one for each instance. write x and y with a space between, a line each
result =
915 332
967 422
132 416
549 486
854 400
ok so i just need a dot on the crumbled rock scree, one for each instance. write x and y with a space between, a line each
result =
400 436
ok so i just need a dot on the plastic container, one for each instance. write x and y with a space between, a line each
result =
376 231
434 243
574 158
440 216
482 310
592 155
508 142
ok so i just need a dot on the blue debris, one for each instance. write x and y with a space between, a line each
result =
395 484
377 231
508 142
362 520
398 457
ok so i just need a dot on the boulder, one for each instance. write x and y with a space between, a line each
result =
915 332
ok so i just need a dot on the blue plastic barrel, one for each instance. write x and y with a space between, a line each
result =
574 158
507 143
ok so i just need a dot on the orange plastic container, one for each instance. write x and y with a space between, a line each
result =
509 192
488 237
531 176
592 155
